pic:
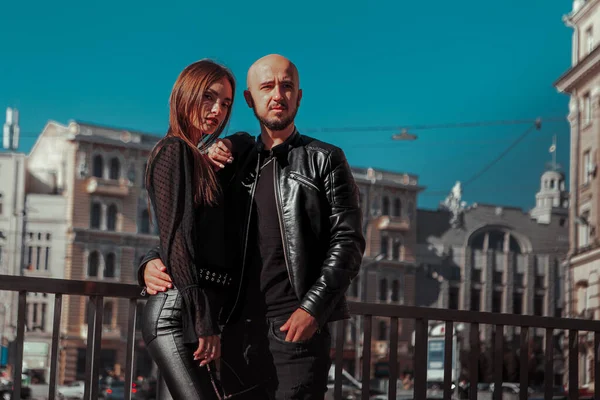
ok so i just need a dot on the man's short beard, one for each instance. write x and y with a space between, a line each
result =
276 125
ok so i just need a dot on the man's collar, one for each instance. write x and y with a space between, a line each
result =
281 148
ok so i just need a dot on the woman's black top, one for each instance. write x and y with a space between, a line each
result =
191 237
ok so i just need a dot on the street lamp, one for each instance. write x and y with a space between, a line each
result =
404 135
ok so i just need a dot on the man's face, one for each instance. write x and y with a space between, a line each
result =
273 93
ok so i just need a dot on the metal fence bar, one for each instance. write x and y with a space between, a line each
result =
449 335
523 361
421 334
18 367
479 317
393 355
549 365
339 350
130 348
97 345
473 360
498 361
597 364
366 362
573 365
55 343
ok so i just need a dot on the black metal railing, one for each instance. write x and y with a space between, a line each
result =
423 315
96 292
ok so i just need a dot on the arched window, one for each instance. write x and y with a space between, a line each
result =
383 290
111 220
385 206
95 215
396 290
110 266
115 169
397 207
98 166
93 264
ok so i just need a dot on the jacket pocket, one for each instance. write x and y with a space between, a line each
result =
304 180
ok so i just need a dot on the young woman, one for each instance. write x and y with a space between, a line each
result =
180 326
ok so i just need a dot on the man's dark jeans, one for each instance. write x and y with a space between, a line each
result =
254 352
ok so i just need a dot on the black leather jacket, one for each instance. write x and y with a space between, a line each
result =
318 207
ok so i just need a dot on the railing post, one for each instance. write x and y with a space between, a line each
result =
421 332
573 364
339 350
549 367
366 370
55 345
498 361
130 348
524 363
393 357
94 342
18 368
473 360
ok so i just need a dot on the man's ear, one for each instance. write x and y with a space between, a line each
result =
248 98
299 97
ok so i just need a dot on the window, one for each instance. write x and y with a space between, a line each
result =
382 330
93 264
538 305
453 298
497 302
589 39
131 173
115 169
395 290
385 206
584 232
107 315
587 109
396 249
475 300
110 266
95 212
397 207
384 245
98 166
145 222
587 167
518 303
111 220
1 203
383 290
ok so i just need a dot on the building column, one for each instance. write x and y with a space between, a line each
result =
529 292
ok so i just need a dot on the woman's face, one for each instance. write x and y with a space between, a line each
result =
215 105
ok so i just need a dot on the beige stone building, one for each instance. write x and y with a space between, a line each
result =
388 201
99 172
582 83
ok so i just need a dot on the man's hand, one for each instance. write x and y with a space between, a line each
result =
156 277
300 326
219 153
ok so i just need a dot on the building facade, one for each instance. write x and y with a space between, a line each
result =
582 83
496 259
12 195
99 174
388 201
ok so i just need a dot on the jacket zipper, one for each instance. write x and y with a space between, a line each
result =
302 179
245 239
281 228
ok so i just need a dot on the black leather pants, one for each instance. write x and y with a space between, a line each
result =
162 332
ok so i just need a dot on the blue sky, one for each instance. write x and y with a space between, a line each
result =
388 63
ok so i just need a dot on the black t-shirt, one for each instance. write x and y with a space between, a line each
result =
269 278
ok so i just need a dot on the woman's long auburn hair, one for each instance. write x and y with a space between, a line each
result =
184 105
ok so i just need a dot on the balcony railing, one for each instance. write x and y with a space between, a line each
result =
97 291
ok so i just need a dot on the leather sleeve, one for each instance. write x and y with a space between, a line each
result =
152 254
346 243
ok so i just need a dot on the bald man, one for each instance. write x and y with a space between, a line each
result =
300 244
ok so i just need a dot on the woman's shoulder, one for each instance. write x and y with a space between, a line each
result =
172 146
